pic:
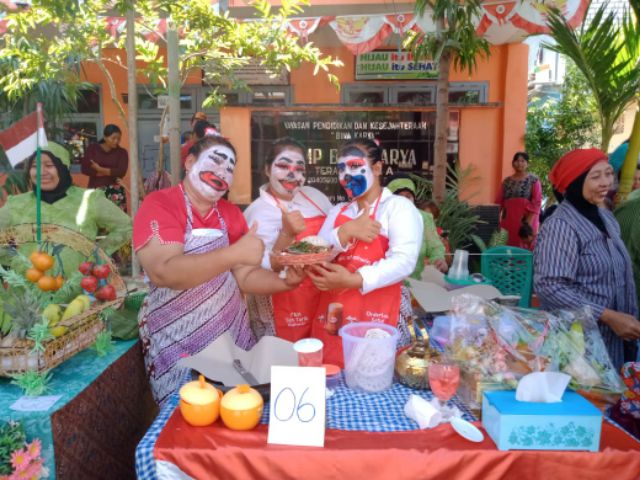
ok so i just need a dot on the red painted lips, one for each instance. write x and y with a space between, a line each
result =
214 181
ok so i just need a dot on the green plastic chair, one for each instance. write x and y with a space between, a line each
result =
510 270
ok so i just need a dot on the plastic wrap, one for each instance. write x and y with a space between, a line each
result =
497 345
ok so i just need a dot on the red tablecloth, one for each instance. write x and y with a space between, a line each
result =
217 452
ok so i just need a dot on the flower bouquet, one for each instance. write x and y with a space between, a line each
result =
19 459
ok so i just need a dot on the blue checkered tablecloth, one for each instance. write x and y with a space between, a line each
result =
346 410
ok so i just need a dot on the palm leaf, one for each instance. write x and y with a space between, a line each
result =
608 60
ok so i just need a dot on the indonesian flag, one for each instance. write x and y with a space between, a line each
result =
24 137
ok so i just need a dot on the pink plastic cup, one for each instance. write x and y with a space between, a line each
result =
309 352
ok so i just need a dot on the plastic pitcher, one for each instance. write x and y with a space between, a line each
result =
369 355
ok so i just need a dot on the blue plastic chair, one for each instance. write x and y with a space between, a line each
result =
510 270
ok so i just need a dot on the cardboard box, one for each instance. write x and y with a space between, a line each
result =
573 424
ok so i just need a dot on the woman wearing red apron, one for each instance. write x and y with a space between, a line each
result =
285 211
379 235
198 253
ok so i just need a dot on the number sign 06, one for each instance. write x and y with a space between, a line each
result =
287 405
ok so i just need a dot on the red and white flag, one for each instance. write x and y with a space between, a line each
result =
23 138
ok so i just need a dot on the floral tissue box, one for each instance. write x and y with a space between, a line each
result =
573 424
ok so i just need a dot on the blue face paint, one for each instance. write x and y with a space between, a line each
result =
357 185
355 175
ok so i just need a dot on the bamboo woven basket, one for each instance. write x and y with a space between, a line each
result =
83 328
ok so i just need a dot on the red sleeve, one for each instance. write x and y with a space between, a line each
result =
158 217
236 223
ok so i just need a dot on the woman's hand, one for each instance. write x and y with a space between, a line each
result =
363 227
292 222
250 248
331 276
441 265
624 325
100 171
294 276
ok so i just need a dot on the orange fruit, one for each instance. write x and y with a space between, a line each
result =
47 283
59 282
42 261
33 275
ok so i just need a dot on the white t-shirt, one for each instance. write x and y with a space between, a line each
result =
401 224
266 212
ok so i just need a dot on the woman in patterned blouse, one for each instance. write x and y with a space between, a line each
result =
520 198
580 258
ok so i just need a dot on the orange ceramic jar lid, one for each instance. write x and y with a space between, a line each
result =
331 369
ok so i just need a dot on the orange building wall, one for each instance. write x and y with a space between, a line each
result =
489 135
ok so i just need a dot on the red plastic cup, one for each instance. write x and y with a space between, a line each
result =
309 352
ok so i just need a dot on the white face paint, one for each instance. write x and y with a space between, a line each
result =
354 173
287 173
212 174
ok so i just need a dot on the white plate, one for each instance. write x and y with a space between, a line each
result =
467 430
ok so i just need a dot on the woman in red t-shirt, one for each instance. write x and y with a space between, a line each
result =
198 253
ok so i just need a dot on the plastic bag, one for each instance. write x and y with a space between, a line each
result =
497 345
576 347
494 345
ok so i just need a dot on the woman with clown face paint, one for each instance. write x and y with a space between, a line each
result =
198 253
379 235
286 211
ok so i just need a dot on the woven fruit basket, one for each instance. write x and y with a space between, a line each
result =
18 355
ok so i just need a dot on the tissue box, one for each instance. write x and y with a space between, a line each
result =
573 424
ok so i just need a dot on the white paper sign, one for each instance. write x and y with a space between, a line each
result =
35 404
297 406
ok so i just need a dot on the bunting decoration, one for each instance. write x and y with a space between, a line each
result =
500 22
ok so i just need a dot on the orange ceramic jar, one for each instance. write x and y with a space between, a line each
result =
199 403
241 408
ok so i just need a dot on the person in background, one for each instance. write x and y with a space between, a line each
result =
201 129
580 259
78 209
520 198
527 237
286 210
628 216
432 248
548 211
379 235
106 164
198 253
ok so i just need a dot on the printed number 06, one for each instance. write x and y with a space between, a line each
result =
299 408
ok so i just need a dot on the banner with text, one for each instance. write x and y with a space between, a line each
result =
406 139
394 65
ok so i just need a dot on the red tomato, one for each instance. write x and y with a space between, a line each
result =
106 293
85 268
101 271
89 283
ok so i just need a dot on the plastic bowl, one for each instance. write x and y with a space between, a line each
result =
369 362
334 375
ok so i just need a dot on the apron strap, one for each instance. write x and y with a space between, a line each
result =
223 225
324 214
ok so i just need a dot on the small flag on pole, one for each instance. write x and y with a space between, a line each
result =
22 138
